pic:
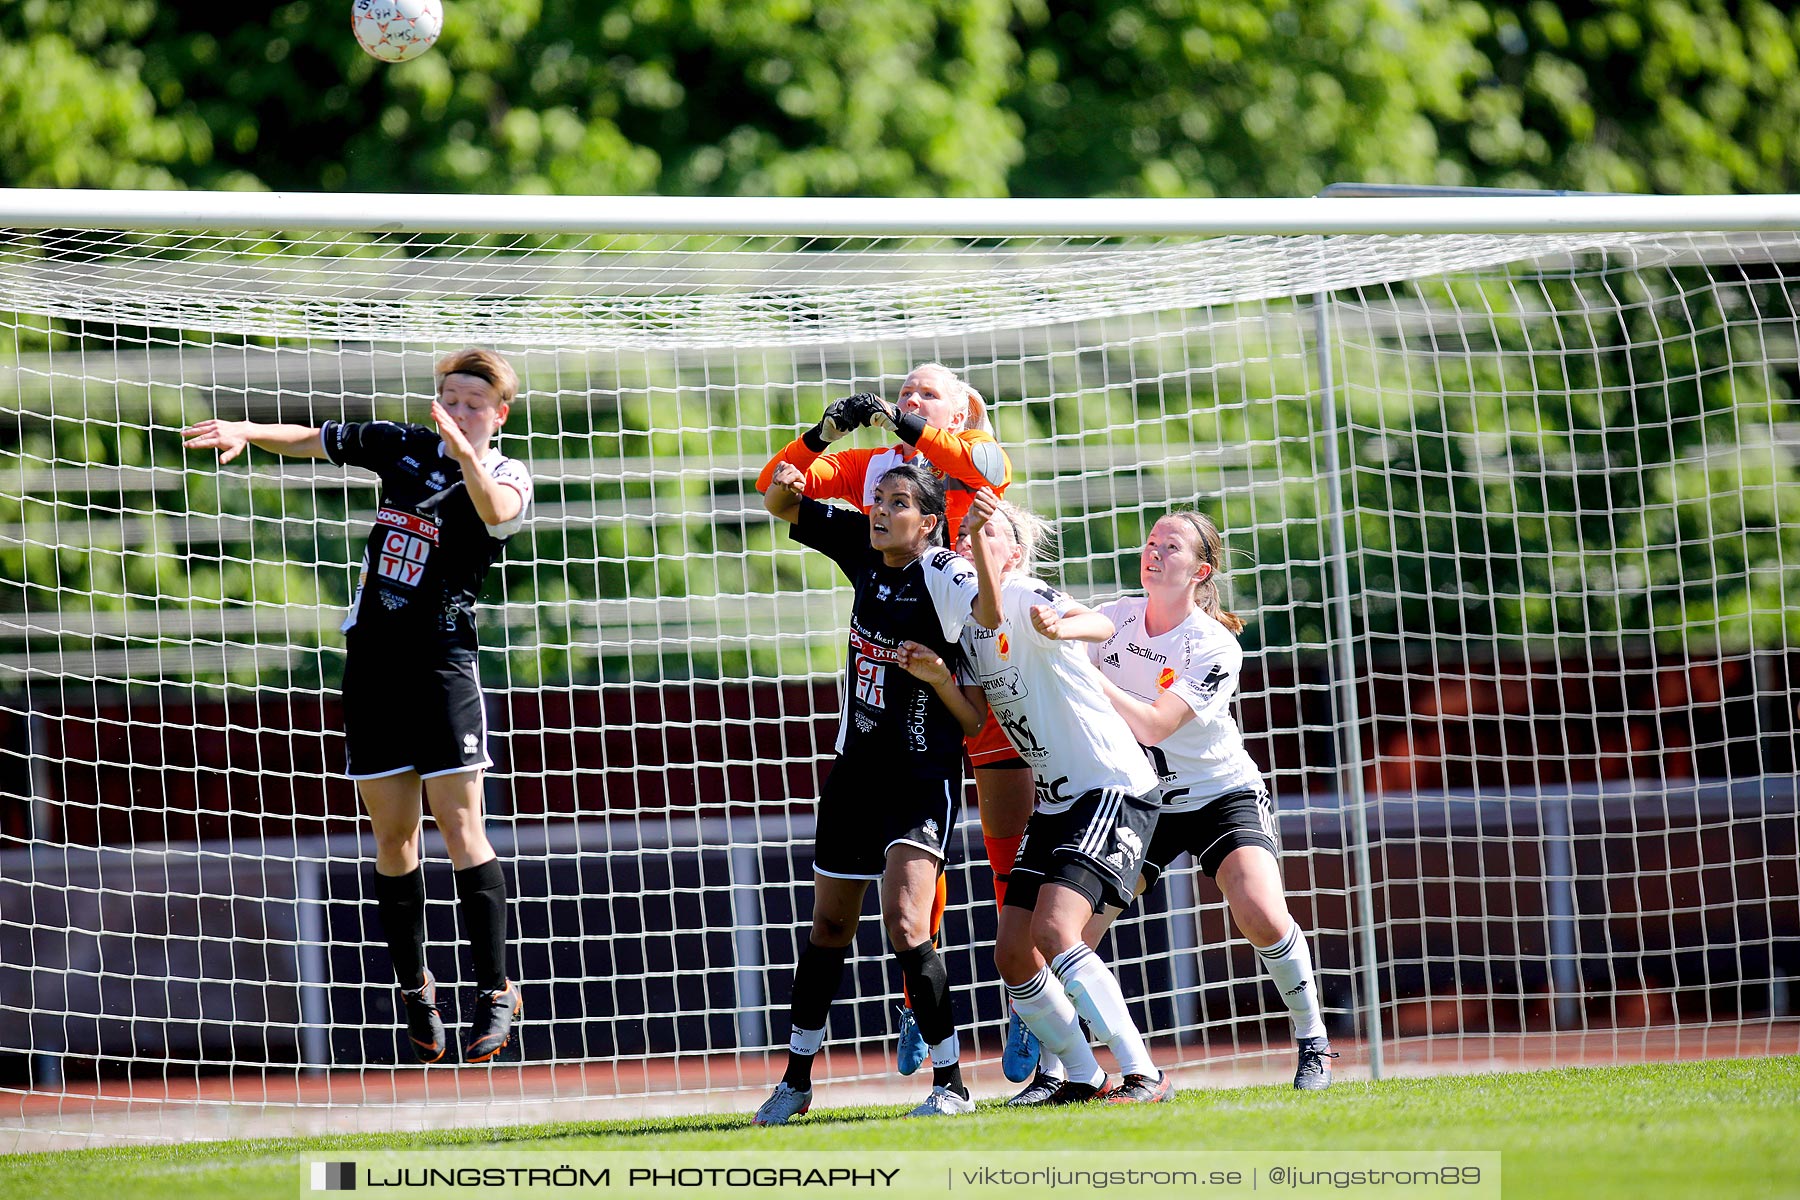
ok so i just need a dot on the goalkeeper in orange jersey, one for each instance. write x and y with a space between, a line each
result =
942 420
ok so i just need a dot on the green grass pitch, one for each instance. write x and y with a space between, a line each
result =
1715 1128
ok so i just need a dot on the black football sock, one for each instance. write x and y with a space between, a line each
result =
929 985
400 900
481 897
817 977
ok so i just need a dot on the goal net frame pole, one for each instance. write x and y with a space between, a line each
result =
1396 211
49 208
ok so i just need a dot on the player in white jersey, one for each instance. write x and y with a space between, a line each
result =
1096 810
1171 669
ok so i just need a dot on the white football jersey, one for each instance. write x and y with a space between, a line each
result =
1047 697
1200 661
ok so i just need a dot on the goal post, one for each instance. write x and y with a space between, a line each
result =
1508 488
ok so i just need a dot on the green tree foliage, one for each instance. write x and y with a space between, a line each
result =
909 97
1668 96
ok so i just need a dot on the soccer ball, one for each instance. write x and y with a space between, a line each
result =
396 30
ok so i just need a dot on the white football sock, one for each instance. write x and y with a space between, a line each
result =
1289 964
1097 996
1046 1011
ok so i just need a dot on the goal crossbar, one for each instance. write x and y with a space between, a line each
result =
46 208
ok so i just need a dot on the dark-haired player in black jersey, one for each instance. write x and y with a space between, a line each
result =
891 798
412 707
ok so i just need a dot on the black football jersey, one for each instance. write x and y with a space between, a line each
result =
889 716
429 550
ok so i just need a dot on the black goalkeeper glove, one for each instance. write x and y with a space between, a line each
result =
841 417
875 411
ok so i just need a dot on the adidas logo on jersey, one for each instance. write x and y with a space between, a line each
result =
1112 660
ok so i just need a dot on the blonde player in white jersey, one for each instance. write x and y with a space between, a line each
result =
1171 668
1096 810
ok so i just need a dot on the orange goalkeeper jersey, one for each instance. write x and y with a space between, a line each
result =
966 462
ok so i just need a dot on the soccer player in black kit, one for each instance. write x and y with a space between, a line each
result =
413 716
891 799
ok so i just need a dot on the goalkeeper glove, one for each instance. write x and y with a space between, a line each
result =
876 411
841 417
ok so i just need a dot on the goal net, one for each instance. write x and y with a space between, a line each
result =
1512 520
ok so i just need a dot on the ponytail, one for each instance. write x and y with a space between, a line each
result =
1211 552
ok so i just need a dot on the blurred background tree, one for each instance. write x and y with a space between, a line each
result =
909 97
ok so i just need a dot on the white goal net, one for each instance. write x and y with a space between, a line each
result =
1512 520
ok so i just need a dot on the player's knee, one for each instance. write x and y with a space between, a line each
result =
1050 935
832 932
1015 959
906 930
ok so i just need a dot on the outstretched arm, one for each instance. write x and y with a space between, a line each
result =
1150 724
1077 625
987 612
230 437
806 448
786 486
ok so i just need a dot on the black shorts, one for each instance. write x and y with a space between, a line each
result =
1241 818
1095 846
865 811
402 717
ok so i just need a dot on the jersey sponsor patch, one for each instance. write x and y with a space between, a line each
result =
871 682
1019 730
873 650
406 542
1006 687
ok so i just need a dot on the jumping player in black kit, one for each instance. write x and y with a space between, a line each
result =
890 801
412 707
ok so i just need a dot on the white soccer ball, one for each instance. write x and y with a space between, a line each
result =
396 30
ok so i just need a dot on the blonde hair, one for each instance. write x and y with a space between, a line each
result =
485 365
1031 533
977 406
1212 553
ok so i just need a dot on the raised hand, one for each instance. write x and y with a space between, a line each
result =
866 408
227 437
981 510
841 417
1046 621
923 663
789 478
455 440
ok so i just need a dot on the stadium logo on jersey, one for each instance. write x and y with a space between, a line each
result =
1164 678
1004 646
1112 660
405 542
1145 652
